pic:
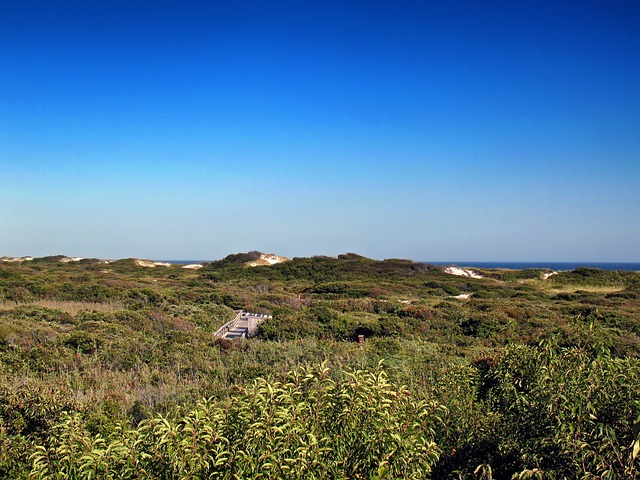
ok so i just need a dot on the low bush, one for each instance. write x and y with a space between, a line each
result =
308 426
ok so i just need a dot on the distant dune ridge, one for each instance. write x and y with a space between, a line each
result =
250 259
16 259
256 258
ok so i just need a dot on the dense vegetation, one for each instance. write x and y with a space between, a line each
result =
112 371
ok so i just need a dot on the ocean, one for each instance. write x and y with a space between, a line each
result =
556 266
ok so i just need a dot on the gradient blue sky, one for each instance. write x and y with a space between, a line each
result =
457 130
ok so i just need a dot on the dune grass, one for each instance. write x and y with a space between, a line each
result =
71 308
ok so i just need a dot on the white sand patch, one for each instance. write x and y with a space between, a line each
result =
547 275
462 272
70 259
16 259
272 259
150 264
463 296
193 266
267 259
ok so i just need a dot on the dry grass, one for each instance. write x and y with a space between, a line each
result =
585 288
546 286
90 383
71 308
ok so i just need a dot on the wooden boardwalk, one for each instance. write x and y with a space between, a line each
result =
244 325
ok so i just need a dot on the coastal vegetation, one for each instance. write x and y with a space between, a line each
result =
111 370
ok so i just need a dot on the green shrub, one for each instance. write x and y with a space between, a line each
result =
567 412
309 426
83 342
451 290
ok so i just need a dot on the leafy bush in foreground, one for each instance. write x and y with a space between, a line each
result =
555 413
308 426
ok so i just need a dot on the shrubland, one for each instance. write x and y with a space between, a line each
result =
112 371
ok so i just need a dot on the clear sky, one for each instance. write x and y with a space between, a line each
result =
449 130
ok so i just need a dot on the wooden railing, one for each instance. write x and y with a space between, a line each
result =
253 321
223 330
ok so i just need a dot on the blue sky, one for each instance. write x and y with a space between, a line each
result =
462 130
